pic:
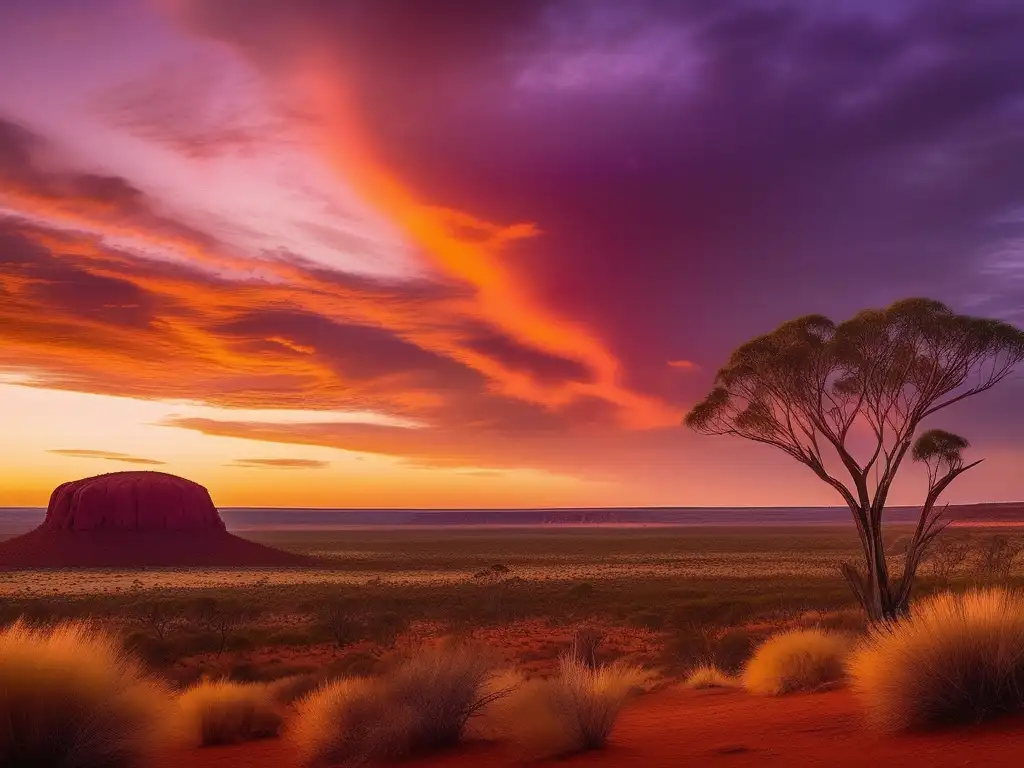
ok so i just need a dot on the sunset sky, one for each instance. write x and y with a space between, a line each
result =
467 253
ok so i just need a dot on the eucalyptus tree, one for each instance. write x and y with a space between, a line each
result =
846 400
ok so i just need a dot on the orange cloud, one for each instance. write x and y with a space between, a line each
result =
683 365
104 293
289 344
85 453
281 463
480 297
78 315
472 251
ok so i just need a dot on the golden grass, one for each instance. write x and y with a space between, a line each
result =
216 712
288 690
957 658
709 676
573 711
70 696
799 660
422 705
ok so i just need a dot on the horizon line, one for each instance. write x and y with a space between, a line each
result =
563 509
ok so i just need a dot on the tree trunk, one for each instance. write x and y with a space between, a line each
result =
872 588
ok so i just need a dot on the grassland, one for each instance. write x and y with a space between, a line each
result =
674 593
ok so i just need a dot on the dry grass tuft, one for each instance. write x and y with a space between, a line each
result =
709 676
70 696
288 690
955 659
800 660
422 705
225 712
572 712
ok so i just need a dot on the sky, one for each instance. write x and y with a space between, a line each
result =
386 253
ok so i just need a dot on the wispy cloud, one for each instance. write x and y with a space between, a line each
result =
281 463
86 453
683 365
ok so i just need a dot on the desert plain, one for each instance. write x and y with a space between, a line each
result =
664 598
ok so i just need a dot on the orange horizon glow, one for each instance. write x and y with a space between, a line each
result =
480 259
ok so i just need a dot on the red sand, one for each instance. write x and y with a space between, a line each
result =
132 520
715 728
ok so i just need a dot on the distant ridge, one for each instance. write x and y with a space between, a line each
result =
238 518
20 519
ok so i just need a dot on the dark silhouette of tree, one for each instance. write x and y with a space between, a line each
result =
157 615
846 400
221 617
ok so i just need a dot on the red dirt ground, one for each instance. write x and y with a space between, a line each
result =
731 729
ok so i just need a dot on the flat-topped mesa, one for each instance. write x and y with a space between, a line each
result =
133 520
132 501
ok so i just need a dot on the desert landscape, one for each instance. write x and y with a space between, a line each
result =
731 644
457 383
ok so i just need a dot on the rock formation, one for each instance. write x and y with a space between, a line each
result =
135 519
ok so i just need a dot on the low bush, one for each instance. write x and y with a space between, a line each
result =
573 711
799 660
732 648
586 643
216 712
288 690
954 659
710 676
419 706
71 696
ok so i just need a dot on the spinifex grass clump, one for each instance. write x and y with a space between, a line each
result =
225 712
70 696
573 711
800 660
421 706
954 659
706 675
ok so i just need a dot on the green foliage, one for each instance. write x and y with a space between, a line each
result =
802 387
939 444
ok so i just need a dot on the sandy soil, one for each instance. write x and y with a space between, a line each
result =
532 646
716 728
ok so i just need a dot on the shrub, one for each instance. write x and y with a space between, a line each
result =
800 660
71 696
732 648
422 705
586 642
572 712
996 557
288 690
945 556
710 676
956 658
224 712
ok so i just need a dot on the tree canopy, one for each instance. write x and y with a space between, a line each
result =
814 389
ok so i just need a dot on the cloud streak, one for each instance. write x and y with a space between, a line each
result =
280 463
85 453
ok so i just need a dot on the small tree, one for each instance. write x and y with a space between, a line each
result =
846 400
996 557
220 618
343 619
156 615
945 557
